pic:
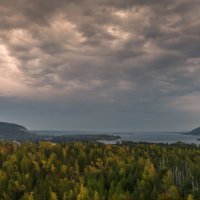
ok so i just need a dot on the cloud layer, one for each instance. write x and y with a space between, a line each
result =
134 57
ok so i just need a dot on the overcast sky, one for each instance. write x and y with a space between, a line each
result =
100 64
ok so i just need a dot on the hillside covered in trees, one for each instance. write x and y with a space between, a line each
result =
128 171
195 131
13 131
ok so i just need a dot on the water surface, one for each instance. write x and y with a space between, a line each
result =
157 137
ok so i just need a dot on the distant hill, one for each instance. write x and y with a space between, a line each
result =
10 130
195 131
15 132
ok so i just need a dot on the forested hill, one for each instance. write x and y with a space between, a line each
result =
9 129
195 131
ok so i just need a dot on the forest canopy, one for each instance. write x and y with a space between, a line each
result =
127 171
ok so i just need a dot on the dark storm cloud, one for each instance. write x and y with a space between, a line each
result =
110 54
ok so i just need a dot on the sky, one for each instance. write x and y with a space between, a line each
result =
131 65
